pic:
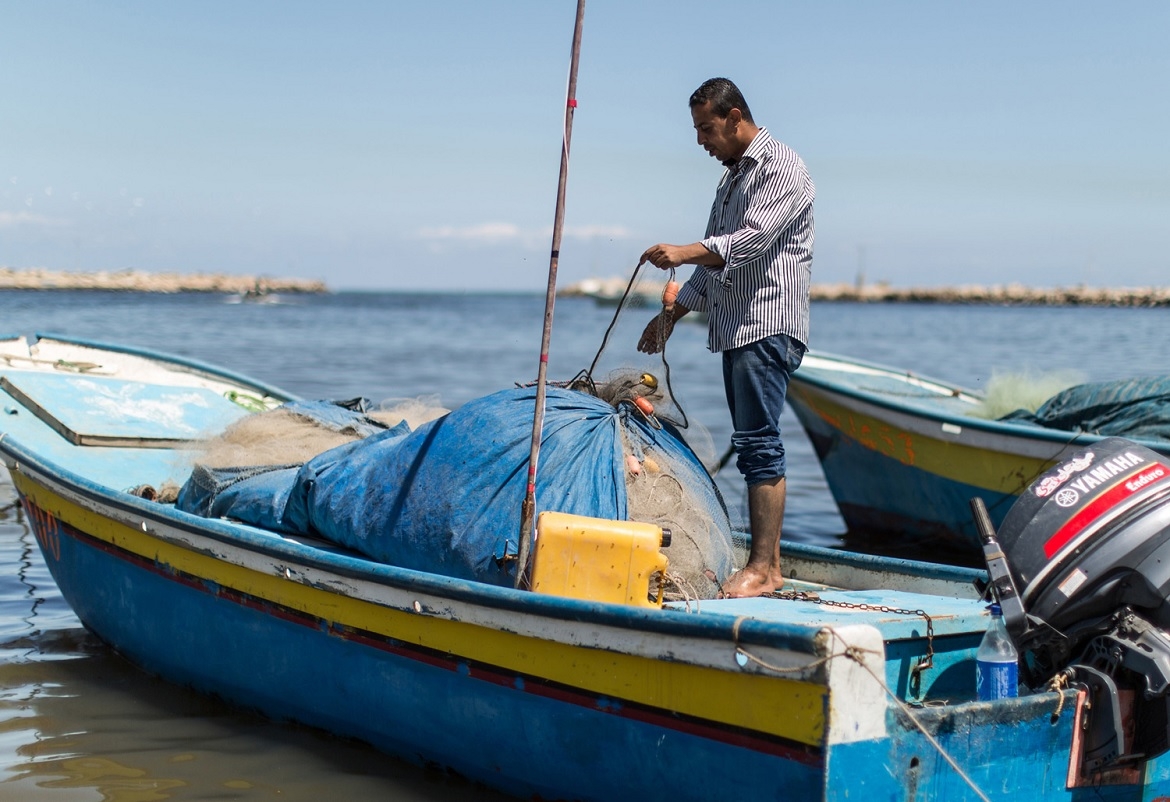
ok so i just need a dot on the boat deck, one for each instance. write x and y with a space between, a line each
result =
898 614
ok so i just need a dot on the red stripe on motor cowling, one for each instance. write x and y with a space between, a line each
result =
1103 502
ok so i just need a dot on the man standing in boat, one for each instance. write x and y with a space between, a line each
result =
752 279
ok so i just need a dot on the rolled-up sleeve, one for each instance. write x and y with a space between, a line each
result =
693 293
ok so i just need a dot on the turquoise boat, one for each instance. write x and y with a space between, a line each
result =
903 455
856 682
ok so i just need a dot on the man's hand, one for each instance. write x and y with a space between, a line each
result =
664 256
656 333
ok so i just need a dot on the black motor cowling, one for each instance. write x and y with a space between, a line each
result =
1081 567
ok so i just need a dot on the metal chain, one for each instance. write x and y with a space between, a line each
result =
811 596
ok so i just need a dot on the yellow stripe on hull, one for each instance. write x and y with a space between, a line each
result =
785 708
1000 471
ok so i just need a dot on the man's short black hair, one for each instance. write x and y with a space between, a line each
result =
723 96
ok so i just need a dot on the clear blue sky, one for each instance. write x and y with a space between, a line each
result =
415 145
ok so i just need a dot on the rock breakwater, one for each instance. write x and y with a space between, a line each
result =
140 281
999 295
609 290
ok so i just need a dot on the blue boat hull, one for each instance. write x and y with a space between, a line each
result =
425 707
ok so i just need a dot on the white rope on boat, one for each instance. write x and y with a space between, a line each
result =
856 654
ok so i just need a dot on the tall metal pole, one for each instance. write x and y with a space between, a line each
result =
528 508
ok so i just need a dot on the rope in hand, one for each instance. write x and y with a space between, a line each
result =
669 296
621 305
588 375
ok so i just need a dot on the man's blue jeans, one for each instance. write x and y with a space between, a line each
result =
755 378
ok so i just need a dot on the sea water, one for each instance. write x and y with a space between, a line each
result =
79 723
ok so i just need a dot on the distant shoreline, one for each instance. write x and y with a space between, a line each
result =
997 295
606 291
140 281
609 291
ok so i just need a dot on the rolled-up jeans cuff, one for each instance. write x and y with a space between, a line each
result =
760 455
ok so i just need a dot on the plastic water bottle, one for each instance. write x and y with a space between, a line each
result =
997 663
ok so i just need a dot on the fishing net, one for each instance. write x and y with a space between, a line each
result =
674 494
705 541
1008 392
445 496
1137 408
288 435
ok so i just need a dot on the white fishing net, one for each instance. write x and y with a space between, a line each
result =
1007 392
674 494
281 437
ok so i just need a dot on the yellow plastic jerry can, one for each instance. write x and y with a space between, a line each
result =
597 559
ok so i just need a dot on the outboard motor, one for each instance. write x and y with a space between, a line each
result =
1081 568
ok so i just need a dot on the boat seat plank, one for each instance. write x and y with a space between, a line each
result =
96 410
109 466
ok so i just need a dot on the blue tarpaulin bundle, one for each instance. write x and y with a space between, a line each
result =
1134 408
445 498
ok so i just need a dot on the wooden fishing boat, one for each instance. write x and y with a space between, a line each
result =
857 684
903 455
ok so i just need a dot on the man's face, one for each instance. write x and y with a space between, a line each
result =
716 135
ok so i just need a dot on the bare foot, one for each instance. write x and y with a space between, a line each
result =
751 582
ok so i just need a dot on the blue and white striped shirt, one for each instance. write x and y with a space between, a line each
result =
762 225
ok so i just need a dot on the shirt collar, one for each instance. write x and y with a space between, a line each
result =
752 154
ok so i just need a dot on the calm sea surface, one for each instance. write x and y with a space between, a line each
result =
78 723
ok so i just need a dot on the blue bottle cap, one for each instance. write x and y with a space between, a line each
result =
995 609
